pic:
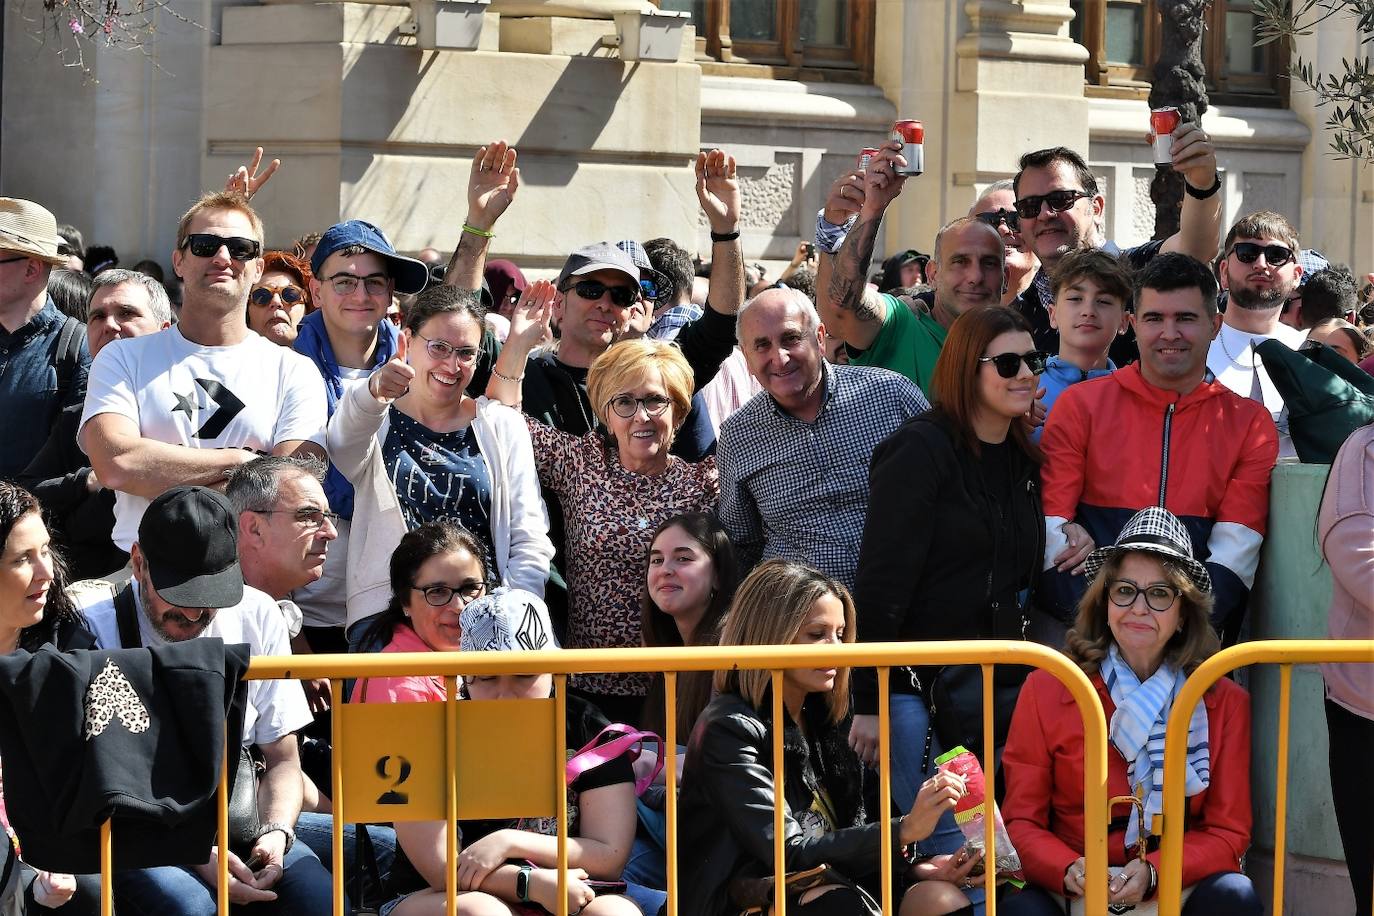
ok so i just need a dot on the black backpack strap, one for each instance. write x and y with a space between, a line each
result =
126 618
67 358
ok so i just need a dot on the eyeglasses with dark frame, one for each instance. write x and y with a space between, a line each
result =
440 350
1159 597
289 295
439 595
1059 201
1008 365
207 245
592 290
309 516
374 284
626 406
1000 215
1274 254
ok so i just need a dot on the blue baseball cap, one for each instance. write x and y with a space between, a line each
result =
410 275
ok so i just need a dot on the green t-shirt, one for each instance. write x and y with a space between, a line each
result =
907 343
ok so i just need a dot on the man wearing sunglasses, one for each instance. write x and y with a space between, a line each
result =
902 333
1060 208
1162 432
38 344
189 404
1259 271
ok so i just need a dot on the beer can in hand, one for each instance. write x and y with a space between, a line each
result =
866 156
913 135
1163 123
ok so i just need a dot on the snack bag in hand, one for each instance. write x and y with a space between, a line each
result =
971 809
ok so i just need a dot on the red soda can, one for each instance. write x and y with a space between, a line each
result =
1163 123
866 156
913 135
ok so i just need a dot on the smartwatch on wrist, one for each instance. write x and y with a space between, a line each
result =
522 883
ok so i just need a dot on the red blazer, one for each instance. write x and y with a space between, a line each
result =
1043 763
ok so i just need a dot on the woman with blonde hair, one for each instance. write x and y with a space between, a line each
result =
615 488
1143 626
728 787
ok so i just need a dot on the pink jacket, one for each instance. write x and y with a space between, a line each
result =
1345 529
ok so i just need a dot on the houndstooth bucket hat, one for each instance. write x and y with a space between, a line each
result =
1156 530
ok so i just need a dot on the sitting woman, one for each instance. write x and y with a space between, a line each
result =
35 611
615 489
1143 626
728 788
689 581
507 867
417 449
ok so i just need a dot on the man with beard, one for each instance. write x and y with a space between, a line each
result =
1260 272
190 404
903 333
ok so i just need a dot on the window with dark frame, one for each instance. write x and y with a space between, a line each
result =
796 39
1122 38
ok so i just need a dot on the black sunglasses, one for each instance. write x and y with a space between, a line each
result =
993 217
592 290
205 245
1008 365
1059 201
1249 252
290 295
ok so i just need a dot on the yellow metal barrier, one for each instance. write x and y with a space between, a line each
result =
1283 652
776 659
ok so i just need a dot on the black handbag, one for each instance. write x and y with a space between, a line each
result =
955 700
244 824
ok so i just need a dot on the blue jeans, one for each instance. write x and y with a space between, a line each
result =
1222 894
910 723
317 832
305 889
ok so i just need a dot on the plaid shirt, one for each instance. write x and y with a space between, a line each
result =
800 490
671 321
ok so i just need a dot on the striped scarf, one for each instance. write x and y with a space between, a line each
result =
1137 731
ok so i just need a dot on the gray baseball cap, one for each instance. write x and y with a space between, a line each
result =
601 256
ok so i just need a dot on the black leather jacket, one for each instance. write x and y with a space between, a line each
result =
726 803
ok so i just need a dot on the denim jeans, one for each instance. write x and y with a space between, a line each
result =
317 832
910 723
1222 894
305 889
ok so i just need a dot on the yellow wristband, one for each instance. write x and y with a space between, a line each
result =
475 231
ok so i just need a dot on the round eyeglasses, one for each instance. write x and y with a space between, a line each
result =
1158 597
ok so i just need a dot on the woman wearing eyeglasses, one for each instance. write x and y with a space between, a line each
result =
278 302
953 541
616 487
1143 626
418 449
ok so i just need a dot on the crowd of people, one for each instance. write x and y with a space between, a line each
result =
1030 433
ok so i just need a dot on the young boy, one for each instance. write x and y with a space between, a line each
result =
1092 292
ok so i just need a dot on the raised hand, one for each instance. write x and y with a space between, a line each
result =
245 179
1194 156
718 190
529 322
882 184
846 197
388 382
492 184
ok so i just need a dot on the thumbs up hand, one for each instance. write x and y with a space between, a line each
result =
388 382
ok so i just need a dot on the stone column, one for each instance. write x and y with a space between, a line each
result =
990 79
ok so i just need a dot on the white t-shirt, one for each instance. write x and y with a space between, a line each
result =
254 394
275 707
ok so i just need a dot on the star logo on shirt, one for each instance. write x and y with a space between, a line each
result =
227 407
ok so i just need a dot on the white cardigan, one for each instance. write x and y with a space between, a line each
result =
519 520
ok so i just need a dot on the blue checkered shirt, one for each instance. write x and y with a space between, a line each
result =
671 322
800 490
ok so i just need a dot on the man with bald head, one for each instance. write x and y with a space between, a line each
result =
794 460
904 332
997 207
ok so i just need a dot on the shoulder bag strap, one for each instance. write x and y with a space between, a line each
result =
126 617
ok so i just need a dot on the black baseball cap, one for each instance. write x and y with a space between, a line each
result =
189 538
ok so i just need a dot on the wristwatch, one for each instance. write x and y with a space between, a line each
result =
286 831
522 883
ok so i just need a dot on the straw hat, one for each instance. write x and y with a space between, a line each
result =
27 228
